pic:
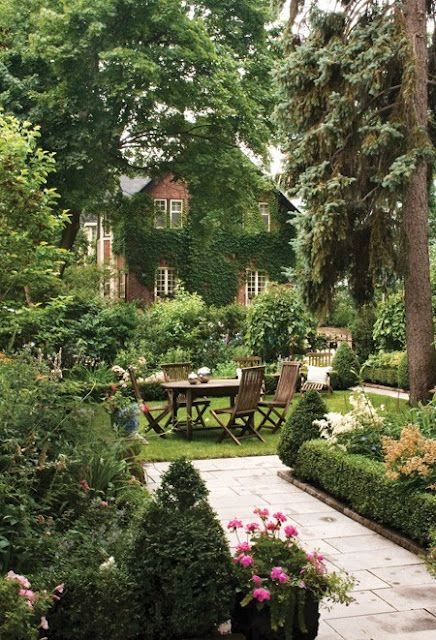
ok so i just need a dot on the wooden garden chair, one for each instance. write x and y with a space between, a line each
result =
147 412
319 367
274 411
241 415
175 371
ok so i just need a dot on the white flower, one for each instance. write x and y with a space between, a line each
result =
108 565
204 371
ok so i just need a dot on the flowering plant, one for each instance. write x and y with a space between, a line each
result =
411 459
22 610
274 570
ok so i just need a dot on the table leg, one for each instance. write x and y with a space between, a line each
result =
173 400
189 394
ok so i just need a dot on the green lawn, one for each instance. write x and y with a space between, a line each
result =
204 443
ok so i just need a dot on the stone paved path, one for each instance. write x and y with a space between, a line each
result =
395 596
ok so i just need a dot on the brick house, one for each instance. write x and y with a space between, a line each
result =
170 206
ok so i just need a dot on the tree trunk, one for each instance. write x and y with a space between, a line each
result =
69 234
419 317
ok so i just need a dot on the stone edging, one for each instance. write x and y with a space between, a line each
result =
391 535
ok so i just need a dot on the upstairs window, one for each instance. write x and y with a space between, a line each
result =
176 210
256 282
265 215
106 227
165 283
160 213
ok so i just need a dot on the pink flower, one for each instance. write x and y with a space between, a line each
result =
280 516
144 408
27 593
245 561
261 594
22 580
302 584
257 580
104 503
43 624
85 486
113 387
277 573
262 513
60 588
271 526
252 527
235 524
290 531
243 546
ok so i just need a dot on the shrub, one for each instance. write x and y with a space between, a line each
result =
180 560
390 326
362 330
362 484
411 459
386 368
20 615
346 366
299 426
277 323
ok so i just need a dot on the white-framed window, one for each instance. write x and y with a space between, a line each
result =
160 213
256 282
176 211
265 215
165 282
90 229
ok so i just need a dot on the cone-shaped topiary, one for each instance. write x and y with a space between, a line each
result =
346 367
180 561
299 427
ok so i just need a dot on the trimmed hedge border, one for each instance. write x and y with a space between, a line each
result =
362 484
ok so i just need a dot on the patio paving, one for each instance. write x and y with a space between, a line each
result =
395 597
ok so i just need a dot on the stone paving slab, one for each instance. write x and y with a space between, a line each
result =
395 595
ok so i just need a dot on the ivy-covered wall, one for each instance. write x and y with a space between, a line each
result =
210 254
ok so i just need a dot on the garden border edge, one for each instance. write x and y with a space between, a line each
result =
328 499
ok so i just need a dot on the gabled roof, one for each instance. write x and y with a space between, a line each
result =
131 186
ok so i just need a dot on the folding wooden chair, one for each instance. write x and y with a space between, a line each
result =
162 411
241 415
274 411
174 371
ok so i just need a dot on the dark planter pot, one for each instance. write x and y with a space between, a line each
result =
255 624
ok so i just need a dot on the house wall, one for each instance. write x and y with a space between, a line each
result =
167 189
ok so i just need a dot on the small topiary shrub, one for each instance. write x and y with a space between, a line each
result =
299 427
346 366
180 561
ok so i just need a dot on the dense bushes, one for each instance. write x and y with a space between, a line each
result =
362 483
180 561
387 368
346 367
299 427
277 323
390 326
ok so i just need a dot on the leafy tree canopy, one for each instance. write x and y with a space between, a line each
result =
352 144
121 83
30 225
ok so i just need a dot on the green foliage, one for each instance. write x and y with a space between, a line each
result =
299 428
346 366
180 561
362 330
351 144
224 234
277 323
342 312
93 329
388 368
29 223
18 621
362 484
142 84
390 326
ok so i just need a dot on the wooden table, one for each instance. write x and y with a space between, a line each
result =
213 388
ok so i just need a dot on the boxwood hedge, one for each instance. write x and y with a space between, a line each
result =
362 484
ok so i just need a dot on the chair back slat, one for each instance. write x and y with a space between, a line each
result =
248 361
175 371
249 390
287 382
135 385
319 358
